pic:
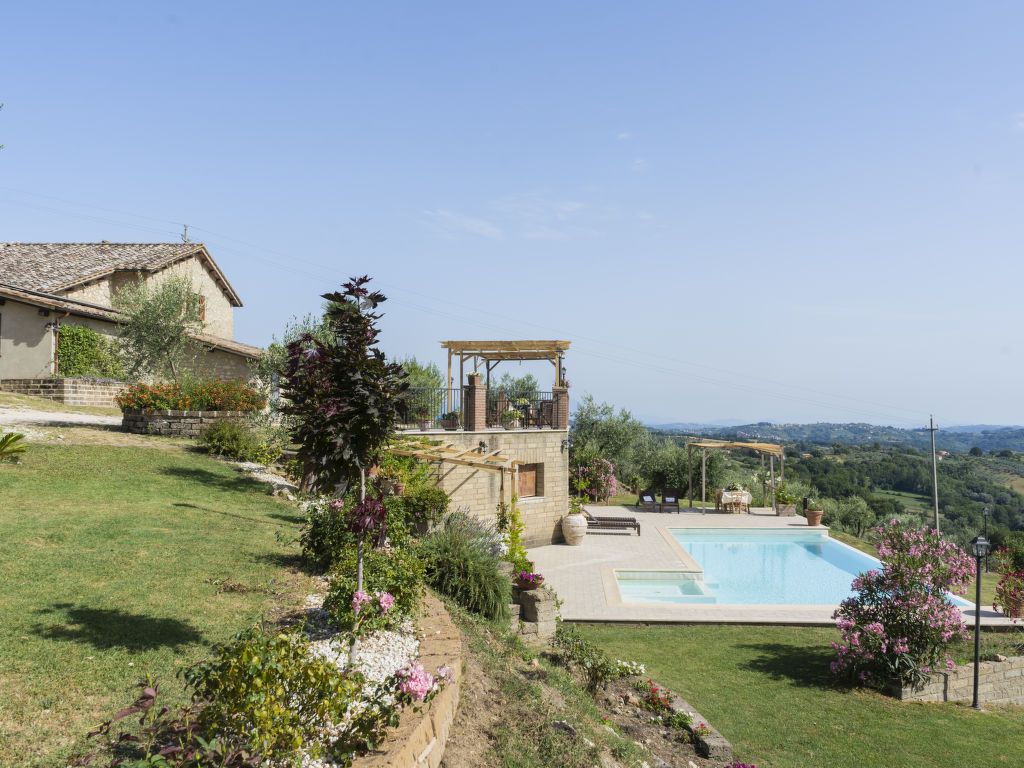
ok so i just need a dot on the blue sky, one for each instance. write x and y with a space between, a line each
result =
760 211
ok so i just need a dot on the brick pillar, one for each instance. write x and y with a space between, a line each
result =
474 401
560 408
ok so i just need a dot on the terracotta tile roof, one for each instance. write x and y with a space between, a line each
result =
56 267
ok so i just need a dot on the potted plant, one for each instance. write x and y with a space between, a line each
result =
474 378
785 502
510 418
451 419
813 511
574 524
525 580
423 418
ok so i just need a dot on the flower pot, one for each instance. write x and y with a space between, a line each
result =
523 584
785 510
425 424
574 528
450 424
813 516
399 488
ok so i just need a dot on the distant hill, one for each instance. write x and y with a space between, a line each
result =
959 439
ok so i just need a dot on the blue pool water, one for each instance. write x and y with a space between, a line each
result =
753 568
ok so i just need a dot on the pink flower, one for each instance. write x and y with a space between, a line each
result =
418 682
359 599
386 601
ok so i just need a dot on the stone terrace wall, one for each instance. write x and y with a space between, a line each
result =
420 738
480 491
999 682
174 423
67 391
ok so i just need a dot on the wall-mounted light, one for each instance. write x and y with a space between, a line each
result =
50 326
483 446
566 444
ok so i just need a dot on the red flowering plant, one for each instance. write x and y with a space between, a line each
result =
660 701
899 622
1010 590
202 395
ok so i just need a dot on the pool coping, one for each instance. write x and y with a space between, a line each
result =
584 576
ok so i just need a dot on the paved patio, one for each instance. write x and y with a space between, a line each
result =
584 577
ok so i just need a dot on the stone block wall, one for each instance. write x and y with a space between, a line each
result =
534 612
999 682
420 738
479 491
67 391
174 423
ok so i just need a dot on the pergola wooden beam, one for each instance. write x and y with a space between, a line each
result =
442 454
771 449
490 353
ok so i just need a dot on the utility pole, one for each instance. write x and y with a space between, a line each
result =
935 472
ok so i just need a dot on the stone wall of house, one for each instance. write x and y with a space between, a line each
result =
999 682
220 317
67 391
420 738
174 423
479 491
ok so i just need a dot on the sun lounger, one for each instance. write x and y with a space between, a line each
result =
647 499
669 500
598 523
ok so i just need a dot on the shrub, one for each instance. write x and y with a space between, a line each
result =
425 503
900 621
236 440
1009 596
327 534
208 395
11 446
398 572
462 563
81 351
510 526
597 669
1014 544
269 693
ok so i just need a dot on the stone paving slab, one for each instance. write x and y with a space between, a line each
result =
584 577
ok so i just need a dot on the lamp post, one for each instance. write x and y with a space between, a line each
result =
984 514
979 546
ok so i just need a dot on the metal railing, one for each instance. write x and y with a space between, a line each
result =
431 408
520 410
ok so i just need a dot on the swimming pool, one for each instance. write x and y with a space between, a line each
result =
750 567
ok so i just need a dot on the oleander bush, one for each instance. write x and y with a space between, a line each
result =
462 557
900 620
192 395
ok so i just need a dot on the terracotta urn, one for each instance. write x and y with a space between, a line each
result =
813 516
574 528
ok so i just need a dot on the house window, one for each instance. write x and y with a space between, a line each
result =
531 480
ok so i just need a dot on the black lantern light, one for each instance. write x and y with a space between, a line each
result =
979 548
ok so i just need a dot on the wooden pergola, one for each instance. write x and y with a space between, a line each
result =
771 450
463 457
490 353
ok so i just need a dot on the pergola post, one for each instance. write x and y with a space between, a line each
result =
771 469
689 472
703 478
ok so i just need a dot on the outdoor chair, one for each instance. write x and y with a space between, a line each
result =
647 499
669 499
597 523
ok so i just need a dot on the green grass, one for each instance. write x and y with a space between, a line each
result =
113 564
911 501
767 689
52 406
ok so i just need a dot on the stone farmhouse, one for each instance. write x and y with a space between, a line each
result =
43 285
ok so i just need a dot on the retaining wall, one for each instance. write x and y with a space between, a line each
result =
999 682
174 423
420 738
67 391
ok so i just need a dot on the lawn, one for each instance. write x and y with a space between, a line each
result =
912 501
118 562
767 689
42 404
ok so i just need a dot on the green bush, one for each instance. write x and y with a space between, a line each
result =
325 535
425 503
238 440
399 572
81 351
1015 542
462 563
511 527
270 694
573 651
